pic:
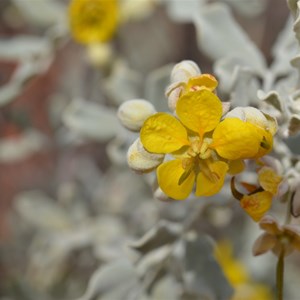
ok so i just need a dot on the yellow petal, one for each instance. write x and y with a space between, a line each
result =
255 117
269 180
200 111
266 143
211 180
235 139
163 133
256 205
205 81
236 166
233 269
168 176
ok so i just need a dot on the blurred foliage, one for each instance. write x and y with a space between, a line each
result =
76 223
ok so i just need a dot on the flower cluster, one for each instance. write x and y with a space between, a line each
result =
196 146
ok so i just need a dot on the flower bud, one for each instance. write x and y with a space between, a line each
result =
161 196
255 117
133 113
184 70
140 160
192 84
173 93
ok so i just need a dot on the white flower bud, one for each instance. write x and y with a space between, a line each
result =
173 93
133 113
161 196
254 116
225 107
184 70
140 160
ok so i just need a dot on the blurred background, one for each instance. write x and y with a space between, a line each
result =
69 203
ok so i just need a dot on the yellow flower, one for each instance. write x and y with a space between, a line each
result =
200 143
259 201
93 21
238 276
234 270
257 204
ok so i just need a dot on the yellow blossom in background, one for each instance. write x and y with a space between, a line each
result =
93 21
200 143
252 291
238 276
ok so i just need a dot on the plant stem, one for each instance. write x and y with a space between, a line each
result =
280 275
289 208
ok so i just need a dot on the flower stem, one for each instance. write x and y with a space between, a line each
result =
280 275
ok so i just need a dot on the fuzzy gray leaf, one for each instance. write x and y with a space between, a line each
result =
40 211
271 98
219 36
123 84
91 120
244 88
164 233
155 87
43 12
294 125
116 280
284 49
17 149
203 272
24 47
180 12
297 22
249 9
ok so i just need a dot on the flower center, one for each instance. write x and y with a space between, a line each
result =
198 160
200 149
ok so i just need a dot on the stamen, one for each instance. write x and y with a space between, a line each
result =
203 147
206 154
212 176
187 165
